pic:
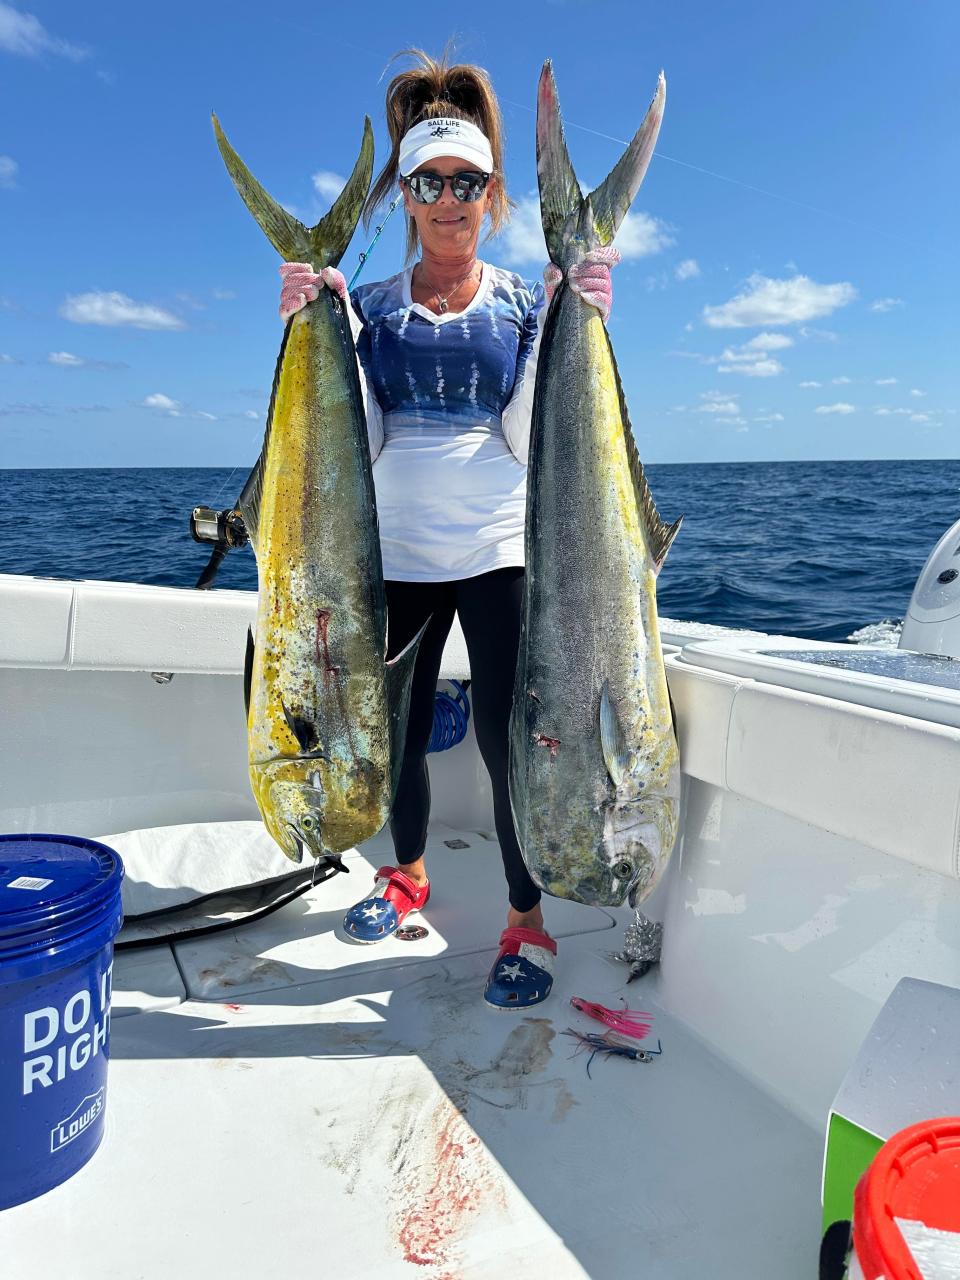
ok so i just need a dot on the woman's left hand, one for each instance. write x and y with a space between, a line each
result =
589 279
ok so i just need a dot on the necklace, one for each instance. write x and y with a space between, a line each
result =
443 301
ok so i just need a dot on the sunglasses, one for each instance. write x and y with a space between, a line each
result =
427 187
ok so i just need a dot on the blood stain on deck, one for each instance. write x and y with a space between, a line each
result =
450 1182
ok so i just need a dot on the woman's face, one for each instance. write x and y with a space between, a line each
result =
449 228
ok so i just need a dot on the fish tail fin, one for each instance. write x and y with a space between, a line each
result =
572 222
323 245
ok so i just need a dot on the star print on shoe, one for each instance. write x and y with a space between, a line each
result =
380 913
522 974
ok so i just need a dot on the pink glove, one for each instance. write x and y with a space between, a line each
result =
589 279
301 285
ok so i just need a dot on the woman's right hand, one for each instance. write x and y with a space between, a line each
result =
302 285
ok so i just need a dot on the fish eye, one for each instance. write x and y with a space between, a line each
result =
623 870
307 823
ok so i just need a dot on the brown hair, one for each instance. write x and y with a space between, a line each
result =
435 88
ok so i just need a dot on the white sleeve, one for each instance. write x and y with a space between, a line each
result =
371 405
519 409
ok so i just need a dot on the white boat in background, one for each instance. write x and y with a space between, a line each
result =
284 1104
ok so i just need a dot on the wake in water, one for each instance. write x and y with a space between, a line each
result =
883 635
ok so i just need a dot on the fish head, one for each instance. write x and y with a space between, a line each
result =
638 839
293 814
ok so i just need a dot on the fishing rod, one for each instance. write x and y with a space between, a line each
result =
225 529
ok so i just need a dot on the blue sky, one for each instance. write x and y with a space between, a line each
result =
789 281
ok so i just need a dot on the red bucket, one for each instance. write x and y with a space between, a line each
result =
906 1212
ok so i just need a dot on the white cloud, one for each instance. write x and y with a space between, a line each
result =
774 302
733 422
8 359
885 304
883 412
811 384
641 235
768 417
841 381
751 358
919 417
159 401
117 309
768 342
885 382
836 408
522 239
328 184
224 295
67 360
8 172
716 402
915 391
757 369
688 269
251 413
208 417
24 34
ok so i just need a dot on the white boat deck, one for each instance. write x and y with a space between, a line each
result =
282 1103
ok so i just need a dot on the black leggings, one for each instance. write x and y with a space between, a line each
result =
489 606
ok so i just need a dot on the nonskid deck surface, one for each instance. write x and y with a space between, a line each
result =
357 1112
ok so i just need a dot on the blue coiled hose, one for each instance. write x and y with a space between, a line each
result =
450 718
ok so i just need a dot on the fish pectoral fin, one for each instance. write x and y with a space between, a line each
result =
615 753
248 671
304 730
399 676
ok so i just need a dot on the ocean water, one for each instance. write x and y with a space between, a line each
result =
825 550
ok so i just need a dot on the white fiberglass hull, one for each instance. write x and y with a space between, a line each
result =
281 1102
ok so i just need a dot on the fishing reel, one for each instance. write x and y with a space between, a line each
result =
223 528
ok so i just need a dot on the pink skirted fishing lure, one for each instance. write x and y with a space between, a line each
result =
624 1021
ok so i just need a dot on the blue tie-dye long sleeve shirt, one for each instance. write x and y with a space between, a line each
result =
448 402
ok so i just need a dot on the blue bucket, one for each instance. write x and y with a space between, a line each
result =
59 914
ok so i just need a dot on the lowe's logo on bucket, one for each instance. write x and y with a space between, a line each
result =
81 1027
83 1115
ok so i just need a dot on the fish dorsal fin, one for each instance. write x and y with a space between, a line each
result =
252 492
399 674
612 742
659 534
560 196
616 193
323 245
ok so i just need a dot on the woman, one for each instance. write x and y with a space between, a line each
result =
448 353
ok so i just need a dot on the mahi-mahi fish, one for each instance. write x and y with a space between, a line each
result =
594 766
326 713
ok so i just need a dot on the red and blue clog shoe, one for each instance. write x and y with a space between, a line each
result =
522 974
380 914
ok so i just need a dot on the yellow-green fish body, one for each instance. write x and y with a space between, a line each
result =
326 714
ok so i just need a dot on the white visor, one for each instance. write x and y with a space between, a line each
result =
444 137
